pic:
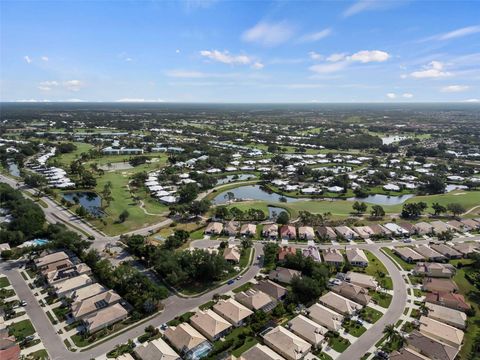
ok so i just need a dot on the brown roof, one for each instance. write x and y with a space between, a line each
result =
439 285
430 347
286 250
407 354
184 336
451 300
271 288
353 292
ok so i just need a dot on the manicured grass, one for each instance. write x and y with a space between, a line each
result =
249 343
51 318
370 315
179 319
353 328
472 295
338 343
21 329
38 355
398 259
207 305
243 287
65 159
245 257
382 299
61 312
376 269
323 356
6 293
4 282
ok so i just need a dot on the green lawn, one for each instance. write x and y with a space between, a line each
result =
382 299
207 305
61 312
65 159
370 315
353 328
249 342
472 295
38 355
398 259
244 287
338 343
376 269
21 329
245 258
4 282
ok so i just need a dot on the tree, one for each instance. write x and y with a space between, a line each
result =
359 207
305 289
445 236
456 208
35 180
188 193
377 211
413 210
432 185
107 193
438 209
390 332
247 243
283 218
123 216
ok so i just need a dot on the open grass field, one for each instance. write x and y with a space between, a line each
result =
66 159
21 329
375 268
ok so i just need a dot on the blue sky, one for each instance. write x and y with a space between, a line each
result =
240 51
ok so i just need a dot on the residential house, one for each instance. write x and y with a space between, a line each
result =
380 230
429 254
396 229
360 279
439 285
333 257
284 275
9 349
408 254
255 300
312 251
326 233
270 231
407 354
214 228
271 288
105 317
456 225
466 248
357 257
156 349
364 231
284 251
231 228
430 347
260 352
450 300
423 228
232 254
436 270
306 233
210 324
446 315
82 309
447 251
286 343
232 311
54 261
185 339
352 292
470 224
308 330
325 317
65 273
440 331
439 226
248 230
345 232
288 232
339 303
410 228
66 288
84 293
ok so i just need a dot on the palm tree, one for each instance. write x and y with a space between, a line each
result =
391 332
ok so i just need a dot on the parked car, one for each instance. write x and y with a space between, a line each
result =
230 282
23 303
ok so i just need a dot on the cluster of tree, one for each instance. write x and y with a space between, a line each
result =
307 218
136 288
432 185
195 208
66 147
251 214
138 160
413 210
180 268
359 207
454 208
84 178
341 141
28 218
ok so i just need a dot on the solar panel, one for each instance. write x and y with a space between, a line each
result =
101 304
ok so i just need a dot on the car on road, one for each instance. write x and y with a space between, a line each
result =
23 303
164 326
239 277
407 240
230 282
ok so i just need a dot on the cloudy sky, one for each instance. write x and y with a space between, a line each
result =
240 51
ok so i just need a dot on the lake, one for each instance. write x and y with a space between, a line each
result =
13 169
379 199
89 200
233 178
274 211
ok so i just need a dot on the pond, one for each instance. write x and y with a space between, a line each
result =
274 211
387 140
250 192
89 200
451 187
379 199
232 178
13 169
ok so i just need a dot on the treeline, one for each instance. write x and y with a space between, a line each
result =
27 218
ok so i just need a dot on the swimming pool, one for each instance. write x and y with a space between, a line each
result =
201 351
40 242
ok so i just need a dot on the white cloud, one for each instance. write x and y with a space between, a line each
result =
316 36
138 100
454 88
407 95
177 51
257 65
337 57
472 101
469 30
27 59
71 85
391 95
32 100
315 56
366 56
433 70
226 58
45 58
366 5
268 34
328 68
